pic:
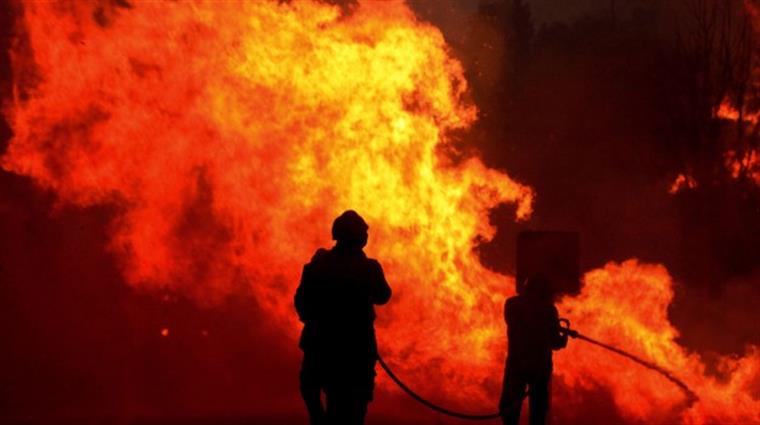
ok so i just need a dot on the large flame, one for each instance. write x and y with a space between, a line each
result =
626 305
230 135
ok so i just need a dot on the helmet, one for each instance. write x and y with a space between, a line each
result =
350 228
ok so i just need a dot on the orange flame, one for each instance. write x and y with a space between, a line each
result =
626 306
230 135
747 164
682 181
727 111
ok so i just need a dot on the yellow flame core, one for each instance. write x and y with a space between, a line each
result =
231 134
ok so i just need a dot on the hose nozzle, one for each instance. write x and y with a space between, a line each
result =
564 328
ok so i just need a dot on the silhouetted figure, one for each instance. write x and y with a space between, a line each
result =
533 331
335 301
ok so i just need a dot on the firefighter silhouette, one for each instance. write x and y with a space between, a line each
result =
533 332
335 301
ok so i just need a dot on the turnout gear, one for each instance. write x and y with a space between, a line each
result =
335 300
533 332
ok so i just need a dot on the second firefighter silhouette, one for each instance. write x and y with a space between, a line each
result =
335 300
533 332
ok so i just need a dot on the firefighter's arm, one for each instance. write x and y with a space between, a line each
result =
508 319
559 338
302 297
380 291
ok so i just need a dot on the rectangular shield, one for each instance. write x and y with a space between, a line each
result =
553 254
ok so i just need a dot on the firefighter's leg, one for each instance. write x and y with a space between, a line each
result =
357 411
512 393
311 388
539 400
346 406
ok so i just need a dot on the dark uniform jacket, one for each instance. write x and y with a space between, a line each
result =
533 331
335 301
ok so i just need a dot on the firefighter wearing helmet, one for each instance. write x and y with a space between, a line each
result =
533 332
335 301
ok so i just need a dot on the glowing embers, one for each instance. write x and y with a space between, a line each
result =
747 165
727 111
682 181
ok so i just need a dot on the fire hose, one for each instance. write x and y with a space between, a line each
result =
565 329
430 404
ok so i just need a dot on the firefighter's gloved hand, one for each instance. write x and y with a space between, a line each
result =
564 328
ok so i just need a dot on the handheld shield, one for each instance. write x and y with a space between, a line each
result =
552 254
